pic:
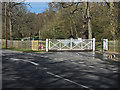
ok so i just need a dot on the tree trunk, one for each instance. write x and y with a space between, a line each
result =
10 23
89 29
76 32
118 27
71 31
89 21
112 20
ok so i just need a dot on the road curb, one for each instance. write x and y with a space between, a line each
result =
14 51
112 56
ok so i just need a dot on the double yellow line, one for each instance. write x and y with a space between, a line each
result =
113 58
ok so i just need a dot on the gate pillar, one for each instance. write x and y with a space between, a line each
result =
71 43
46 45
105 44
93 44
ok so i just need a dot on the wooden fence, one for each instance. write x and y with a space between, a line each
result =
38 45
28 45
17 44
113 46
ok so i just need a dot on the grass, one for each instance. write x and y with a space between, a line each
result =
98 45
23 50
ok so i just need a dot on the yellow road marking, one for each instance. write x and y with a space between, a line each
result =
111 57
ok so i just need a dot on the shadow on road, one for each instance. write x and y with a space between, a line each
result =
19 74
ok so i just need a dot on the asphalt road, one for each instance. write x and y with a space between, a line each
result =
59 70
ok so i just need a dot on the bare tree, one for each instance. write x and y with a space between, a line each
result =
86 14
10 6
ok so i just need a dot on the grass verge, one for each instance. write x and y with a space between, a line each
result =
23 50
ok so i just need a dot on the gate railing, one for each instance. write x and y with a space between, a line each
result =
71 44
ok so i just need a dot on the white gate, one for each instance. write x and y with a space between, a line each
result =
105 44
72 44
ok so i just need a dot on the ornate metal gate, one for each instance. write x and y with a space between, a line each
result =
72 44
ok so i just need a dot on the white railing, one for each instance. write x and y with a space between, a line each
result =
71 44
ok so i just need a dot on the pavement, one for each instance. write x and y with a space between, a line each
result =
115 56
59 70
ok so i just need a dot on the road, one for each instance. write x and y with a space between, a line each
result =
59 70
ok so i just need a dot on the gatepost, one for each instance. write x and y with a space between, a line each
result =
93 44
104 45
49 43
71 40
46 45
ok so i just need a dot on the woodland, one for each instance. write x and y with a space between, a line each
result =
61 20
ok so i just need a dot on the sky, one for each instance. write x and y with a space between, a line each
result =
71 0
38 7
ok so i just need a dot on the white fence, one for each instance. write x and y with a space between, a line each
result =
72 44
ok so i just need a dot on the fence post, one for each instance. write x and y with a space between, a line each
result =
71 43
49 43
32 44
114 46
46 45
104 44
0 43
93 44
107 44
60 45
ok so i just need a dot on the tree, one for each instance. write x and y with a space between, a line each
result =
113 20
86 14
11 7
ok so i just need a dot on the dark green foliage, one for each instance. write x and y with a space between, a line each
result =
58 22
